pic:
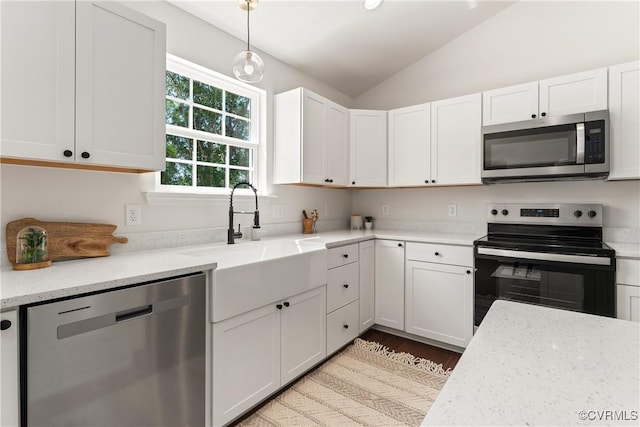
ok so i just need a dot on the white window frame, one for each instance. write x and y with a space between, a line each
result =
257 140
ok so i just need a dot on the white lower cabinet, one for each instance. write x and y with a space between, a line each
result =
389 283
367 265
255 353
342 326
628 289
9 370
438 302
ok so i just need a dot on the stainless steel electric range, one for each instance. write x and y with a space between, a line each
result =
545 254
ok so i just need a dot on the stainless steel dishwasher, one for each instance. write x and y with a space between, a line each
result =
128 357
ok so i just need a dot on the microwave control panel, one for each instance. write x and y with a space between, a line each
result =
594 144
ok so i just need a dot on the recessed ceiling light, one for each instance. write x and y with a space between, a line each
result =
371 4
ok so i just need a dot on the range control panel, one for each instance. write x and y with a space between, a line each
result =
588 214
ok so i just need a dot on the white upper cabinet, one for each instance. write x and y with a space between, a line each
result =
409 146
368 143
311 139
624 114
455 140
91 75
570 94
510 104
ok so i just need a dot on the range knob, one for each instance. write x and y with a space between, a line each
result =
494 212
592 214
577 213
505 212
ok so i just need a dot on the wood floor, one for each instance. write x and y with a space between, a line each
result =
449 359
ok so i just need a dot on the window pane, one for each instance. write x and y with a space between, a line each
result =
176 174
238 105
238 128
237 175
211 152
177 114
207 95
239 156
207 121
209 176
177 85
179 147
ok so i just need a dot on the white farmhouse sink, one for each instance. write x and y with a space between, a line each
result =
251 275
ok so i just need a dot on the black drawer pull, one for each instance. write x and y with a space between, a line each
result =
346 286
468 271
286 304
437 254
279 306
399 245
345 326
345 256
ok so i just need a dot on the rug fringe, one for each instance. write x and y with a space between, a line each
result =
405 358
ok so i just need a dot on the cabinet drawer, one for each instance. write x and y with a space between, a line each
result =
342 255
440 253
342 327
628 272
342 286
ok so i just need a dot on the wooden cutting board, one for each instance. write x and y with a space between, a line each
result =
67 240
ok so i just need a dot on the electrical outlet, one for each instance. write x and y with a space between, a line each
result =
453 210
132 214
385 209
278 210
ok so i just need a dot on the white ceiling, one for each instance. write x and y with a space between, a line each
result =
340 43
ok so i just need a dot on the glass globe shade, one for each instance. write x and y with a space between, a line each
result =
248 67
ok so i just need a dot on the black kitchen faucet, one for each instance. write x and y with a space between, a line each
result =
231 233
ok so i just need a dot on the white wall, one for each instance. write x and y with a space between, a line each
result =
88 196
528 41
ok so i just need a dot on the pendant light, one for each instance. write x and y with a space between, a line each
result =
247 65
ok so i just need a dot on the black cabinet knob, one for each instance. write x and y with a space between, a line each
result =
326 180
286 304
592 214
346 286
543 114
345 256
505 212
330 180
353 183
5 324
577 214
85 155
533 116
437 254
279 306
426 181
399 245
468 271
345 326
433 181
67 153
494 212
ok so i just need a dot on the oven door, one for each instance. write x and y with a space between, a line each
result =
571 282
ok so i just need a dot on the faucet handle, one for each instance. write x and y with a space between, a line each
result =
238 234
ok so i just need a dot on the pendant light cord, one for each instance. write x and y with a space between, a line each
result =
248 10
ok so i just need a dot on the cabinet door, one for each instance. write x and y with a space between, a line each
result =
9 370
313 138
366 265
38 78
455 140
510 104
624 114
439 302
368 142
337 145
120 87
389 284
409 146
303 332
246 361
628 304
574 93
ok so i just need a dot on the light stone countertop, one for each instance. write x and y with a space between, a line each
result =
533 365
75 277
626 250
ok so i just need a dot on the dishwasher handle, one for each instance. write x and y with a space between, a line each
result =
132 314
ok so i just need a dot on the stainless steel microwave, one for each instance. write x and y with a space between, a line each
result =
552 148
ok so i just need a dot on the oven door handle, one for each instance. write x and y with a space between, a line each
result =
542 256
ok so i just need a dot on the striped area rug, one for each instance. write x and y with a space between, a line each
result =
364 385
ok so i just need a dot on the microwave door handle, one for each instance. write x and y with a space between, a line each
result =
579 143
